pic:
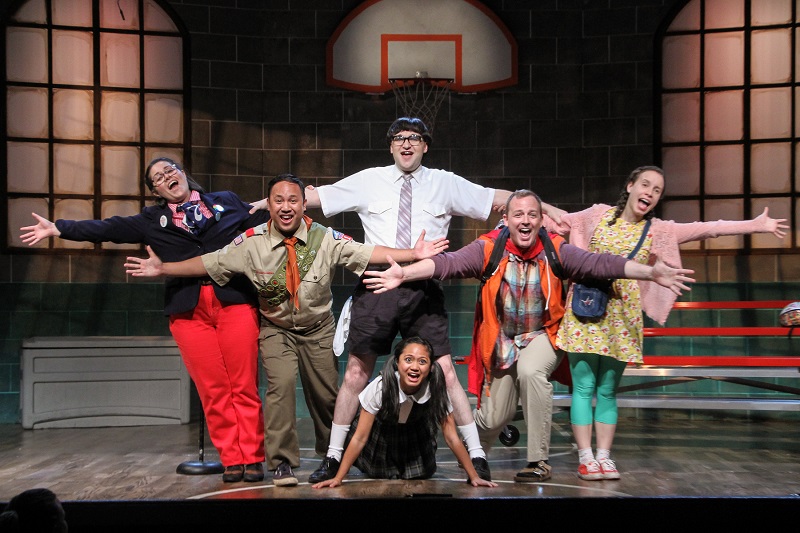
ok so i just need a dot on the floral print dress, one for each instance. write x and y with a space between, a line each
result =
618 333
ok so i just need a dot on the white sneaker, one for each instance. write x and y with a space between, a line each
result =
609 469
590 471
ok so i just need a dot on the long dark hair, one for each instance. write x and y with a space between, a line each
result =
390 407
623 196
193 185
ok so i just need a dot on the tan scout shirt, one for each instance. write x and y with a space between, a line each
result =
260 252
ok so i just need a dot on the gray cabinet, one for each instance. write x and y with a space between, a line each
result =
70 382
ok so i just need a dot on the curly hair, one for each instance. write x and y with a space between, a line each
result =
390 406
624 194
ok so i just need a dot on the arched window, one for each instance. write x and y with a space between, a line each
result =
94 90
729 110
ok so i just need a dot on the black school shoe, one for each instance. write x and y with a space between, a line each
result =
482 468
327 470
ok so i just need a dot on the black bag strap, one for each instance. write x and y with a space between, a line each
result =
494 259
641 240
552 256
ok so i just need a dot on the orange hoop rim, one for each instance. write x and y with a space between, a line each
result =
410 82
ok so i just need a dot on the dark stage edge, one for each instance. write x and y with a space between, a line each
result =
432 512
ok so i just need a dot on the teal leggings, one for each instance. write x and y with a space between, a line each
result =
592 373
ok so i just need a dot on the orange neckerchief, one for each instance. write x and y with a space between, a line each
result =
292 272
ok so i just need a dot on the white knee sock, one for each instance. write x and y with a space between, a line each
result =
469 433
336 445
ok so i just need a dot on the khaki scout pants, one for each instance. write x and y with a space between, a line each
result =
283 354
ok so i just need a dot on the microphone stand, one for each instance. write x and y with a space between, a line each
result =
200 467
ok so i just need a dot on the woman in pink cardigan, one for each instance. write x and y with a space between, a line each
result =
600 350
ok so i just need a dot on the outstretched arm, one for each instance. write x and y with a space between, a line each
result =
44 229
697 231
455 443
395 275
422 250
153 267
674 279
365 421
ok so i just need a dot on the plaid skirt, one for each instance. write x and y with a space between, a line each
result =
399 451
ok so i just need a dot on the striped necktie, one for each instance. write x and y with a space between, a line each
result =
403 240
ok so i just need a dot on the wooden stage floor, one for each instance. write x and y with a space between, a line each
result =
124 479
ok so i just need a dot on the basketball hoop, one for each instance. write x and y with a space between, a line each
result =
421 97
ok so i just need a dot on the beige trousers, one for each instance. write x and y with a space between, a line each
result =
526 382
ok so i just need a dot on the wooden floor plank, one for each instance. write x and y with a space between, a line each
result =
662 454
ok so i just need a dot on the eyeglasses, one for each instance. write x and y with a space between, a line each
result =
161 177
413 140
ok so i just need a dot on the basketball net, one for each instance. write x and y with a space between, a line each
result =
421 97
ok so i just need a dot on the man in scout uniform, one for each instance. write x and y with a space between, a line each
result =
291 261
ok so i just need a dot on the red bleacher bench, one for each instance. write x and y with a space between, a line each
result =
754 371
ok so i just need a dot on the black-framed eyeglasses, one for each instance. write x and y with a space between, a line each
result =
413 140
161 177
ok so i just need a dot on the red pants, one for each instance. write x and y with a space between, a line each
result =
219 346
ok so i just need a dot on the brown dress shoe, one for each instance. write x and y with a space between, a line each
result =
254 472
233 473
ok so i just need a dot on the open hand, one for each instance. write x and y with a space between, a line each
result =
674 279
327 483
43 230
477 481
261 204
382 281
775 226
145 268
424 249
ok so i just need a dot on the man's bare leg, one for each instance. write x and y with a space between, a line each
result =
356 376
462 412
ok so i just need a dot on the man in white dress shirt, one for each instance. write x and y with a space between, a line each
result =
414 309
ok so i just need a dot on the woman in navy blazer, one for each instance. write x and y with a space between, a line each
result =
215 327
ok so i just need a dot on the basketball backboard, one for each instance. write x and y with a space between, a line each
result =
461 40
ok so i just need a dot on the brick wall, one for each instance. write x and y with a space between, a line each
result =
579 120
